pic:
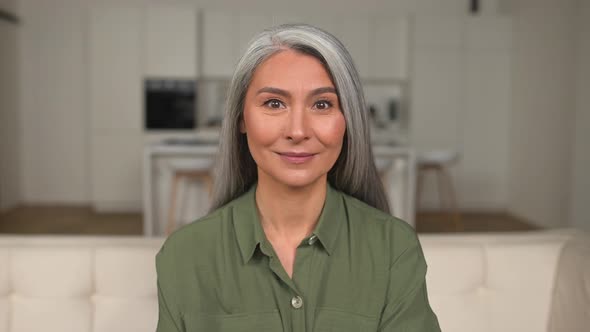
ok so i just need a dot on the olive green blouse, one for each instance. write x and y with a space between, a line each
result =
360 270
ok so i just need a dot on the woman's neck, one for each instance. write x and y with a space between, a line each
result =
289 213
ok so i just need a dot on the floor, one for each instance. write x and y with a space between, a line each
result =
68 220
82 220
436 222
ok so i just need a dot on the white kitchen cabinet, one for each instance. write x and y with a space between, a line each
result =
249 25
291 18
484 168
171 41
116 171
115 102
437 94
328 23
115 67
225 38
437 83
388 48
10 165
461 101
378 46
438 33
354 33
437 100
219 47
485 134
488 33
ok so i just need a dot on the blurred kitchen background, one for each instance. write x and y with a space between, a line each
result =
110 110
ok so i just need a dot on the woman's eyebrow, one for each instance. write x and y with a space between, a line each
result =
277 91
326 89
285 93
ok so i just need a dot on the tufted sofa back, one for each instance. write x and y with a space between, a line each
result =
484 283
99 284
493 283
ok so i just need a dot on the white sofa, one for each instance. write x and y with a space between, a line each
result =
477 283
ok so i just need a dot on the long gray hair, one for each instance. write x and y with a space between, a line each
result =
354 172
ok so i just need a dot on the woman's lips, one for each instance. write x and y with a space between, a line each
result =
296 157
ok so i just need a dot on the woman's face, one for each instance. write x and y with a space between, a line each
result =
292 119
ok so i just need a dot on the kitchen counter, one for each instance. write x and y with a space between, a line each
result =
396 164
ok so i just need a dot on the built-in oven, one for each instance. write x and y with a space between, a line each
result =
170 104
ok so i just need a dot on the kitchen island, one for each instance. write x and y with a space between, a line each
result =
396 165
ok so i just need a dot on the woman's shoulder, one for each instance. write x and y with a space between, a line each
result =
202 226
200 236
361 212
394 234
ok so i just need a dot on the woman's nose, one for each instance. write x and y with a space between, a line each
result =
297 127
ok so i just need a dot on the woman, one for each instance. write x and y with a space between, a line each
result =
300 237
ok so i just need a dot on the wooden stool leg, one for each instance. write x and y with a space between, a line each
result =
205 178
172 208
453 200
441 189
444 199
419 188
183 201
209 184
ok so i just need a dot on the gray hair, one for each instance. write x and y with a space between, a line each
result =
354 172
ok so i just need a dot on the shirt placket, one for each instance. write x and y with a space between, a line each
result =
302 276
294 304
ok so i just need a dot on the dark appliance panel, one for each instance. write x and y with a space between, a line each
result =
170 104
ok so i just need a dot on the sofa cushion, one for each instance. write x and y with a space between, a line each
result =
50 314
455 278
125 272
521 277
78 283
492 283
5 289
484 283
51 272
571 298
134 314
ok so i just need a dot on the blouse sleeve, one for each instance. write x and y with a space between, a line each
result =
407 308
169 317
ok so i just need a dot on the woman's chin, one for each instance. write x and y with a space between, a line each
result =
296 181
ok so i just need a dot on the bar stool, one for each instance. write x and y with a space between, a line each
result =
186 171
439 162
383 166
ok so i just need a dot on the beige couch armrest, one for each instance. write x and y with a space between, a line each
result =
570 310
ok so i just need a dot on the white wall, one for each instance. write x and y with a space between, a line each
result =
9 115
390 7
9 5
580 194
53 99
542 110
387 8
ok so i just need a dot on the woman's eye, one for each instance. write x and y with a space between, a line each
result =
274 103
323 105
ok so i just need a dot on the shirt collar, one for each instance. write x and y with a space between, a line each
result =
250 234
331 219
247 226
